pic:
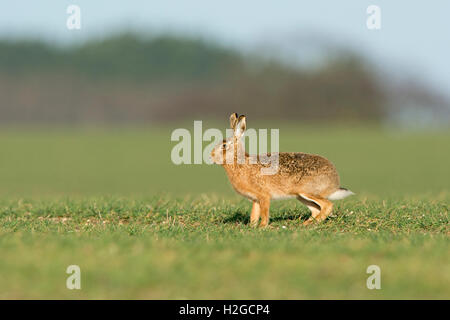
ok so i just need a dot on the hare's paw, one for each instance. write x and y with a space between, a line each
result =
253 224
310 221
264 224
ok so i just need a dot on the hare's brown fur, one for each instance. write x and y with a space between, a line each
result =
307 177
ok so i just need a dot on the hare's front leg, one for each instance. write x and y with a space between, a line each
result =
254 216
264 205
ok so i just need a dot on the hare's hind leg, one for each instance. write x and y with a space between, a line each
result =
312 206
320 208
325 209
254 216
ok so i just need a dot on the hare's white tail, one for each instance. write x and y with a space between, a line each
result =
341 193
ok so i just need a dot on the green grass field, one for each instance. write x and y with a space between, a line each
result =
111 201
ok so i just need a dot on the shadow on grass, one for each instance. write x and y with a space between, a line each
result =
244 217
238 217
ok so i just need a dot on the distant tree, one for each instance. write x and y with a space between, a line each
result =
132 78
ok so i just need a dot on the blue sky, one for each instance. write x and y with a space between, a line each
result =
414 39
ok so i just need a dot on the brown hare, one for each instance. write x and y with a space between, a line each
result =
310 178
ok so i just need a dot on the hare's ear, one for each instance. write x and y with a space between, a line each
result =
233 120
240 126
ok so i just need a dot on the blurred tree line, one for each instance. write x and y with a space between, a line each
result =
130 79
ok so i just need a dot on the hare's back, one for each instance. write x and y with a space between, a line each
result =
303 164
